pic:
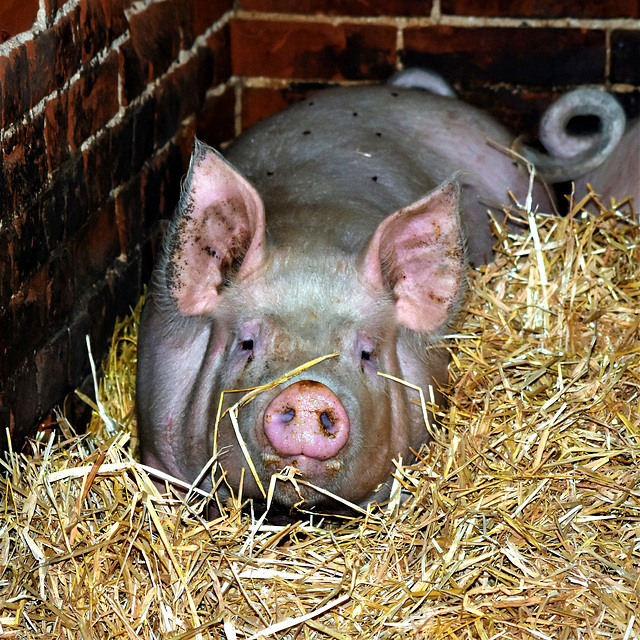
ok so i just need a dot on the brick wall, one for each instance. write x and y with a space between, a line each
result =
98 106
100 99
511 57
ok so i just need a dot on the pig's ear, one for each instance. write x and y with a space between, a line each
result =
417 254
218 232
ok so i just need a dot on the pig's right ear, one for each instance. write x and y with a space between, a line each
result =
218 232
417 255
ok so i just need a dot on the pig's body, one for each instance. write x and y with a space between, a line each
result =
321 165
619 175
343 241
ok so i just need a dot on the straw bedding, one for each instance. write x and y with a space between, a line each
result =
520 520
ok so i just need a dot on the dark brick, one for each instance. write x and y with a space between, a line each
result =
79 327
160 186
17 16
61 292
134 71
77 198
93 28
52 223
206 12
168 108
216 120
56 131
542 8
519 110
51 7
128 218
25 401
93 100
305 50
41 52
6 211
25 163
15 79
143 133
342 7
116 22
98 166
625 57
630 100
30 250
219 44
121 149
5 269
180 94
204 72
24 324
68 47
260 103
51 365
159 31
476 56
95 247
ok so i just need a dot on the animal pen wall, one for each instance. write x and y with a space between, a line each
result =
100 101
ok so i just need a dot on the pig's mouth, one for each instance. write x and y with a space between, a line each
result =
311 469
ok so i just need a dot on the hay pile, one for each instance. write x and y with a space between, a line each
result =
521 521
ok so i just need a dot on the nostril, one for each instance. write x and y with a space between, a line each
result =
288 414
327 423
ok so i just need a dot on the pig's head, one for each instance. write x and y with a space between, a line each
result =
231 309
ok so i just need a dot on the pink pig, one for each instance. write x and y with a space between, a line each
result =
341 225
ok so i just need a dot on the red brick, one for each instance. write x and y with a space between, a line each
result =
342 7
541 57
17 16
159 31
207 12
543 8
312 50
93 100
15 78
260 103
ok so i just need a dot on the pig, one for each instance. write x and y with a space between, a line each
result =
619 175
342 225
607 159
574 155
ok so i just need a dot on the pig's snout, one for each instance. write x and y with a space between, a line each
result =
307 418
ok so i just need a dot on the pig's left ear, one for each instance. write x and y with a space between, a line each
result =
417 254
218 233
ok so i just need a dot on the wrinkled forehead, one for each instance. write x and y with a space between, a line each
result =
312 295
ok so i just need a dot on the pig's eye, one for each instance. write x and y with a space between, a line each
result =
366 355
247 345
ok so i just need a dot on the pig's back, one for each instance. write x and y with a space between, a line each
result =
331 168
